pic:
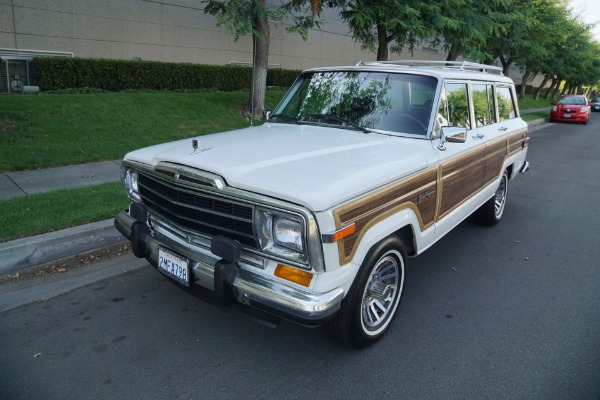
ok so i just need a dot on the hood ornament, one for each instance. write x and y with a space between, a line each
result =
195 147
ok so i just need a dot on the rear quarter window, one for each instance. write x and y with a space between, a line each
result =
506 103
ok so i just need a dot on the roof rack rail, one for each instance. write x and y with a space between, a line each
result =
459 65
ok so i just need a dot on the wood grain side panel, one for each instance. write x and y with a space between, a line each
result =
461 179
418 193
495 154
517 142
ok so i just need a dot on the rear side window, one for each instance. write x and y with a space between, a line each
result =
483 104
506 105
454 106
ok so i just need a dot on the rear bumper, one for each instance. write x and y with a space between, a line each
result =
248 288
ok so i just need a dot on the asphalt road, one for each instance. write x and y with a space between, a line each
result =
509 312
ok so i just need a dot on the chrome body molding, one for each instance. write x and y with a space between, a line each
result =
250 288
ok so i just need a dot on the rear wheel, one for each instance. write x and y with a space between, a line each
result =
491 211
370 306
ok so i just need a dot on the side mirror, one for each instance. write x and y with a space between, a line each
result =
451 134
268 115
454 134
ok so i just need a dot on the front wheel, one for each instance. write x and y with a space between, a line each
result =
370 306
491 211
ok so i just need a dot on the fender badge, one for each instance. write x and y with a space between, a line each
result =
426 195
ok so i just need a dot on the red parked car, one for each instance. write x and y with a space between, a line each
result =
572 108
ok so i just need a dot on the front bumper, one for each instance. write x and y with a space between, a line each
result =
568 117
248 288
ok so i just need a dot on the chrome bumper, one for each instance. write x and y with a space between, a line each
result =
250 289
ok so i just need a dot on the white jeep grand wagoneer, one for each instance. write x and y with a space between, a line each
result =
311 216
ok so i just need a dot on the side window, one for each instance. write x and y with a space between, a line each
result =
506 105
483 104
454 106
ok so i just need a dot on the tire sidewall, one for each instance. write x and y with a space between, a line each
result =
496 217
391 246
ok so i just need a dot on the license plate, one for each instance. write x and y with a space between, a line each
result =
174 266
567 116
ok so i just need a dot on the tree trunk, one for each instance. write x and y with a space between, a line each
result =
524 82
559 81
453 53
506 63
539 89
565 89
382 40
552 87
256 103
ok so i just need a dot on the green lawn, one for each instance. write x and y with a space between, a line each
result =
529 102
45 212
45 130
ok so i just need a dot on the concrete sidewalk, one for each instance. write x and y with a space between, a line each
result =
22 183
43 249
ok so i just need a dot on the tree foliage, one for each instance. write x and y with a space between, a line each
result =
251 17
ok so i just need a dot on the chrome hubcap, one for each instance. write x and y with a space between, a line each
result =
500 199
381 292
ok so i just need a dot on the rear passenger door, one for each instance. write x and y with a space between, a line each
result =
489 131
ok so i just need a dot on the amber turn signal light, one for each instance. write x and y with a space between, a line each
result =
293 275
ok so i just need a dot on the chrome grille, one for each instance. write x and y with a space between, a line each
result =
199 212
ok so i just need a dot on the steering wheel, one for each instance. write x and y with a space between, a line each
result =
415 120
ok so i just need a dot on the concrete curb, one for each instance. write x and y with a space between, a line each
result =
537 122
41 249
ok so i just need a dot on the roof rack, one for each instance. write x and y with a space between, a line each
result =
459 65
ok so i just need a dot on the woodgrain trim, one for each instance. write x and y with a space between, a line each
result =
431 194
517 142
418 193
461 178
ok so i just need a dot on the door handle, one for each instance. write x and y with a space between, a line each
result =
478 136
502 128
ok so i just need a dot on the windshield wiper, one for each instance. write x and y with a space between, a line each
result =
336 118
285 116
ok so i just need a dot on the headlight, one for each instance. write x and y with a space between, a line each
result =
281 234
288 233
130 180
554 108
583 109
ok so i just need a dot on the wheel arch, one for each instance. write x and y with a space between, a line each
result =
405 225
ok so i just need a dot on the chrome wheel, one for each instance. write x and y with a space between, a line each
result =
371 303
381 293
500 198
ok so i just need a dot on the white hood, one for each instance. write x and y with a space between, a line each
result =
316 167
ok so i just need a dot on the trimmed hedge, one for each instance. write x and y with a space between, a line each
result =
55 73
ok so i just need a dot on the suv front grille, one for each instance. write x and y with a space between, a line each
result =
199 212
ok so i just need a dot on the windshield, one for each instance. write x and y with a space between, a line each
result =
367 101
576 100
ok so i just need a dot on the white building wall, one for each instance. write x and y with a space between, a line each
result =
172 30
